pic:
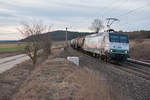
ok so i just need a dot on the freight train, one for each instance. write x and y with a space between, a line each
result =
109 45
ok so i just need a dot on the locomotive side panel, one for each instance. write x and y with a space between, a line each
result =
93 43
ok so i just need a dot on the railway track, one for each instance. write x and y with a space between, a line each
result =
133 69
137 68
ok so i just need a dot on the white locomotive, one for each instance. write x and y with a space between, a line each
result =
107 45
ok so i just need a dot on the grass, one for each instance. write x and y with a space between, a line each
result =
11 47
91 85
56 79
140 50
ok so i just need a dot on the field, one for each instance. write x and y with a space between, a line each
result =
140 49
11 47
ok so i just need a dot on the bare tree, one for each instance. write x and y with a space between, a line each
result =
97 25
33 31
46 45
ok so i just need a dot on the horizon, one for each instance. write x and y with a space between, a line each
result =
1 40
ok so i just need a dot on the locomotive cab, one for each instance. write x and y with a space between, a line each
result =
118 46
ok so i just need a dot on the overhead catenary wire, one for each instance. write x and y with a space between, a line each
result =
114 7
133 10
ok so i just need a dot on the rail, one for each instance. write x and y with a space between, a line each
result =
138 62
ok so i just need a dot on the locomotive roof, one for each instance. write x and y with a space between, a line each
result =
98 34
117 33
104 33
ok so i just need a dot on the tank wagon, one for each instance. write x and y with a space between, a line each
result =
106 45
77 42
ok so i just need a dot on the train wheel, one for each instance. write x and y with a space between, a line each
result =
97 55
107 58
93 54
102 57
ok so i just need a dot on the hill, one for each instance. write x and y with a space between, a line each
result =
58 35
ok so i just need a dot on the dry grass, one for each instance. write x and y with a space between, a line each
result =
90 85
8 45
140 50
45 82
59 43
11 47
57 79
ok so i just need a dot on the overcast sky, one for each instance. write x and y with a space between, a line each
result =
75 14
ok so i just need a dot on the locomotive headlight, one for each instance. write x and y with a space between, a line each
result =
126 52
111 50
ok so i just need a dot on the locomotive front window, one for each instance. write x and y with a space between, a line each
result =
114 38
118 38
123 39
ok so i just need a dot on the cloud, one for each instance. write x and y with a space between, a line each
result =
77 14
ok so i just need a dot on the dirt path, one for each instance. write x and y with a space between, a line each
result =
10 62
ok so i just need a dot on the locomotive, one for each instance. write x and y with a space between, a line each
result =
109 45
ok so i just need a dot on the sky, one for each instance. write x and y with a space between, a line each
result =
77 15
